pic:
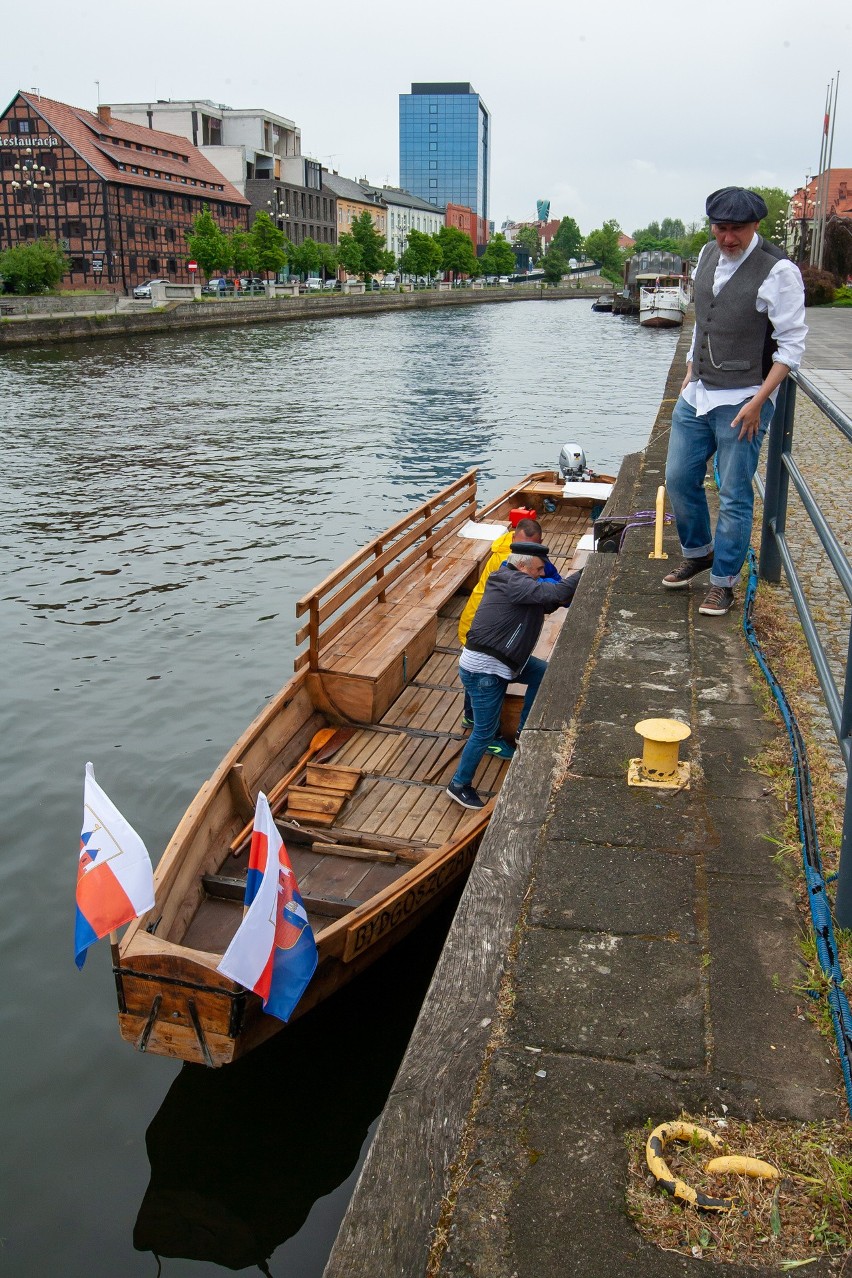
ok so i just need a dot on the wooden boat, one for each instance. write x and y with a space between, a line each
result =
663 302
354 753
603 303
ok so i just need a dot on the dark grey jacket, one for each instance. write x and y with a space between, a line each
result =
509 619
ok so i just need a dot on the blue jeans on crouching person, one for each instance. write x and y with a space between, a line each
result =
487 693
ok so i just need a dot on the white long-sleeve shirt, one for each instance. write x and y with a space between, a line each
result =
781 297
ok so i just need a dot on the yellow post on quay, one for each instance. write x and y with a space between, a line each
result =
658 552
659 765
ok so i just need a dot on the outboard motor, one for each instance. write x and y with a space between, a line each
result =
572 462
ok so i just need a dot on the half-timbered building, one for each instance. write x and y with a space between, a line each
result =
118 197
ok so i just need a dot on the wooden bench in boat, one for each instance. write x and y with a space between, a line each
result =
374 622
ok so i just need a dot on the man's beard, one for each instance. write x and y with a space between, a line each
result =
732 254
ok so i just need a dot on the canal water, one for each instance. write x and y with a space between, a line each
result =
166 501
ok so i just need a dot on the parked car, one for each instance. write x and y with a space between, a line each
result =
504 280
144 290
330 285
389 282
251 284
215 286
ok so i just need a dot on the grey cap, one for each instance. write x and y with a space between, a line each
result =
735 204
528 548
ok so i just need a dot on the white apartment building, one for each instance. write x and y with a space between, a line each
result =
405 212
241 144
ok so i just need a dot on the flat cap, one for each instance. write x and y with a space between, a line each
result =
528 548
735 204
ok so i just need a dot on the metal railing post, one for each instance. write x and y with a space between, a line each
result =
777 481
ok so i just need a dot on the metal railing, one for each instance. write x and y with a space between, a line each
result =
781 468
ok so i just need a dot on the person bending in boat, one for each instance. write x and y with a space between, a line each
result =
749 332
498 651
526 530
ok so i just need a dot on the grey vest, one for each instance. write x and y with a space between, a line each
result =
734 342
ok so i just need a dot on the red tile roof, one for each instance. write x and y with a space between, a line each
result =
114 148
839 195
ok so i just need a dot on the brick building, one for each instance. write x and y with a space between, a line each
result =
466 220
298 201
118 197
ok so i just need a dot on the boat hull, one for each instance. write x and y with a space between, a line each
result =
374 856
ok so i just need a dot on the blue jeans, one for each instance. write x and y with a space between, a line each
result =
487 692
693 441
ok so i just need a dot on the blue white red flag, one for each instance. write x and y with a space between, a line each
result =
273 951
115 881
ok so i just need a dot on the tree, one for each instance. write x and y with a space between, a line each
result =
33 267
328 260
457 251
837 257
271 248
774 225
208 245
498 258
529 240
672 228
602 247
568 238
242 255
370 241
306 257
422 256
646 243
387 261
350 254
554 264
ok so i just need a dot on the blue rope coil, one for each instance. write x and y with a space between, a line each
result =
823 927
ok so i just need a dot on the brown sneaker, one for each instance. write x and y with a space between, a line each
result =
717 601
690 568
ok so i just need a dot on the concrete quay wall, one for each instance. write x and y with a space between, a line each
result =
175 316
618 953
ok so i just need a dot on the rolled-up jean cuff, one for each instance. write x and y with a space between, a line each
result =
696 553
730 582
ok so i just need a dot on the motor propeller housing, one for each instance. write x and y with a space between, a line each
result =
572 461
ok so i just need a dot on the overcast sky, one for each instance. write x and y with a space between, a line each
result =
608 109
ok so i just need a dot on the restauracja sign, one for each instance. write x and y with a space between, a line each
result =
24 140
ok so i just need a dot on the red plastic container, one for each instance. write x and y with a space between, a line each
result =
515 516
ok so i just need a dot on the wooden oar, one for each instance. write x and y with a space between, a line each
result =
323 744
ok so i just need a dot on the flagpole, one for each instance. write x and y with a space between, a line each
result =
814 254
828 171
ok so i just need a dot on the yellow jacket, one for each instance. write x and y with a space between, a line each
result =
499 551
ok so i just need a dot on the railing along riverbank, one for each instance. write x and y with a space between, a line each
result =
174 316
775 552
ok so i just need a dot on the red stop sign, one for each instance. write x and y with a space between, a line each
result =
192 266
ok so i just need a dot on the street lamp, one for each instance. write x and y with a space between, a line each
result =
278 216
30 178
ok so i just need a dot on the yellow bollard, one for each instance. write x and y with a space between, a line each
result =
658 526
659 765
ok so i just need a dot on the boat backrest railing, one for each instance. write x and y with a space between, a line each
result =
781 468
365 578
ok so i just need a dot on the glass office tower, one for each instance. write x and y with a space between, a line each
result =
444 145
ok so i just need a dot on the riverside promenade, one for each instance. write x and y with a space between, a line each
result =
618 954
122 317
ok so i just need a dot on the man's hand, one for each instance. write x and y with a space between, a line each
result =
748 420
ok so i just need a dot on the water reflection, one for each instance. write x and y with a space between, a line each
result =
240 1156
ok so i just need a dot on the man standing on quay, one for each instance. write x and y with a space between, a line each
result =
749 332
